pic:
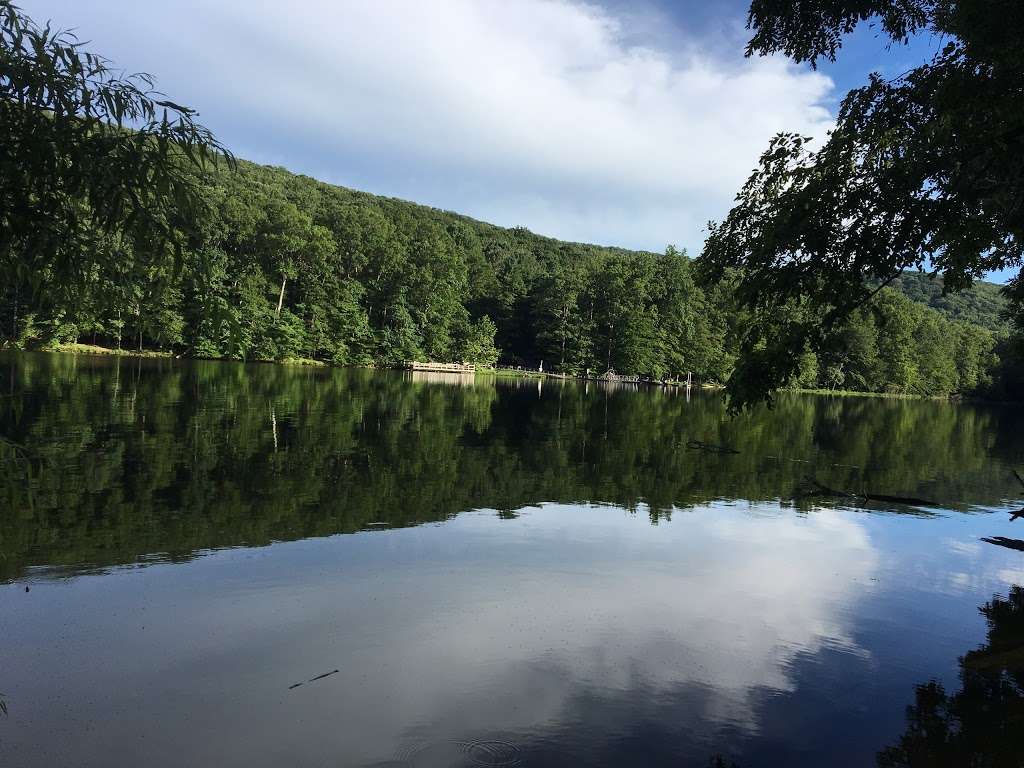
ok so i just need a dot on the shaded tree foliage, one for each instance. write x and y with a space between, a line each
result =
98 172
923 170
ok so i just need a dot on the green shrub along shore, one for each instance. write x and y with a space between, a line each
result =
285 268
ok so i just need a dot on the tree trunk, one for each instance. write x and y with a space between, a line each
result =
280 298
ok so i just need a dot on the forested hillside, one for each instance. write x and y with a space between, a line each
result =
984 304
283 266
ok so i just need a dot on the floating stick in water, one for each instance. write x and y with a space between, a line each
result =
700 445
314 679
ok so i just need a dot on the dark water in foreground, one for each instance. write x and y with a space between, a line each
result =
502 574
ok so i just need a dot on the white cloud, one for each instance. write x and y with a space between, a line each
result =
1012 576
546 113
966 547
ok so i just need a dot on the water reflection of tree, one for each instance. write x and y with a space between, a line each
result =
133 458
981 725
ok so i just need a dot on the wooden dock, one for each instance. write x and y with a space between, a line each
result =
441 367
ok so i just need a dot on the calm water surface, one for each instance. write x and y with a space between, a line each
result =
496 574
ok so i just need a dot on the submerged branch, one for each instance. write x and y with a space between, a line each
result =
1002 541
910 501
699 445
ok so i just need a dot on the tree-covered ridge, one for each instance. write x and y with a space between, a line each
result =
107 461
283 266
982 304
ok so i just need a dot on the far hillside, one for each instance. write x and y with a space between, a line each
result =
983 304
283 266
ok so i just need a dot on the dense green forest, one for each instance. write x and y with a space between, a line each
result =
283 266
984 304
108 459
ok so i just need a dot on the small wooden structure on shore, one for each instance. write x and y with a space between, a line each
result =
441 367
611 375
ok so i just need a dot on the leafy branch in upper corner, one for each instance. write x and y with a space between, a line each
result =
87 152
924 170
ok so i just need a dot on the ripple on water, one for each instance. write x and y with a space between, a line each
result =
492 753
486 753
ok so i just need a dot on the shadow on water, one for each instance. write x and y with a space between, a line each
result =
115 461
982 724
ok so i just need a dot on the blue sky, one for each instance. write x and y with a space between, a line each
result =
624 123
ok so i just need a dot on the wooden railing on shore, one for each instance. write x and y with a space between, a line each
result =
441 367
454 370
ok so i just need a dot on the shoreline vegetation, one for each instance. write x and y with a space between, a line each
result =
498 372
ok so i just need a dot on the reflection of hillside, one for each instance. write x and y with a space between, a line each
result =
133 457
982 724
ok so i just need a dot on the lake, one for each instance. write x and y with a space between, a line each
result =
208 563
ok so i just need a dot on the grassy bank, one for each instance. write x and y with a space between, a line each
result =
510 373
858 393
93 349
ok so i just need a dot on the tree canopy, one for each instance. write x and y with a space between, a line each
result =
924 170
89 159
